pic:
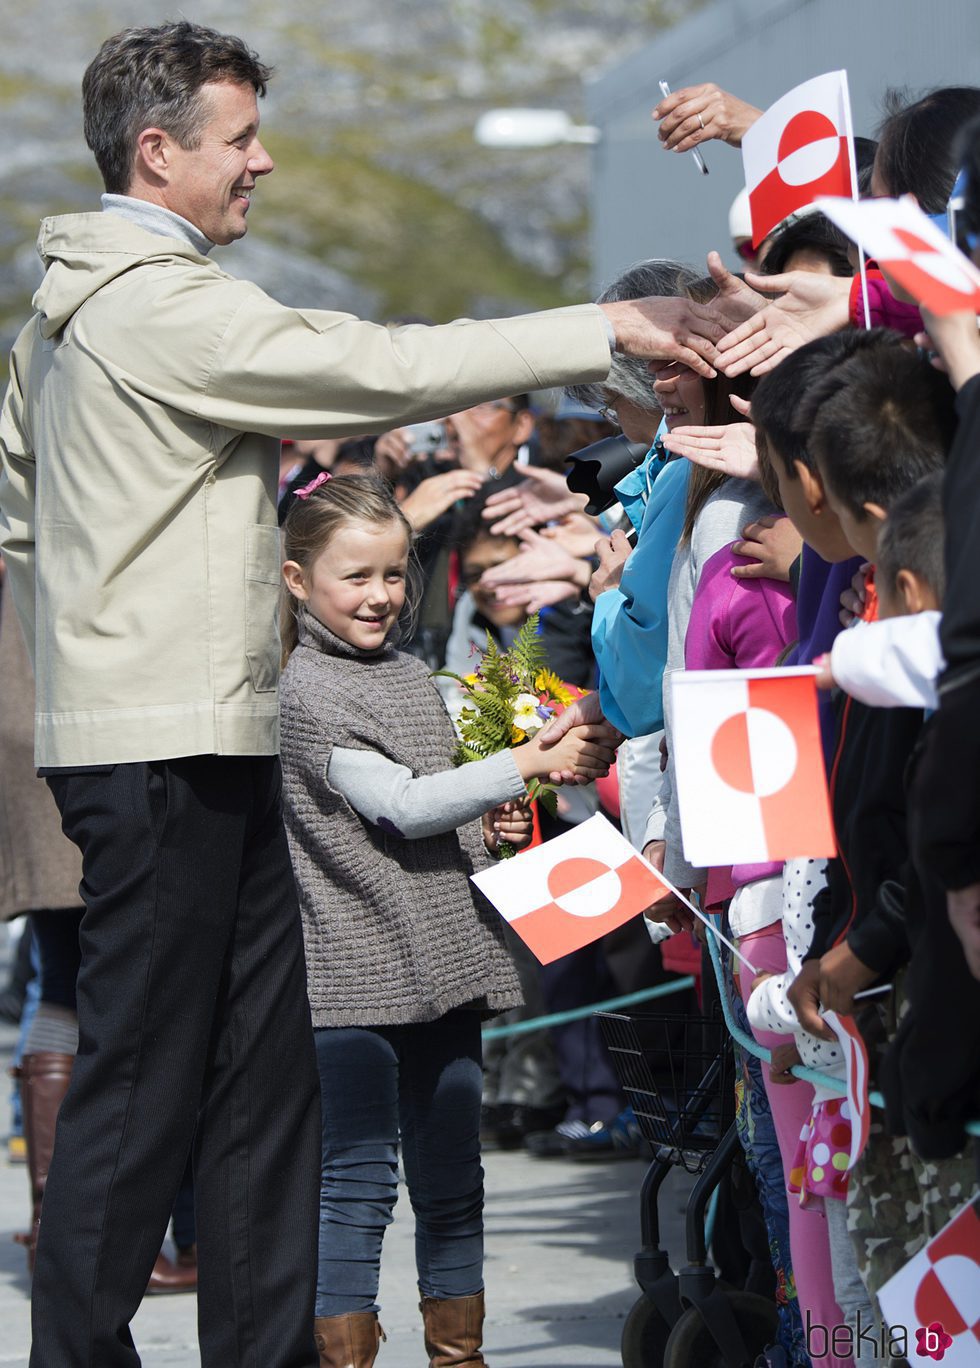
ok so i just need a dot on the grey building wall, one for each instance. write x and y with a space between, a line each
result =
648 202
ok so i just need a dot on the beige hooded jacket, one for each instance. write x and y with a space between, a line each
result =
139 444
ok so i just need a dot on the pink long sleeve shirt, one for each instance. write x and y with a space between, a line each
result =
738 624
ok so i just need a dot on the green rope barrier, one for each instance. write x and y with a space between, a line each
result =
577 1013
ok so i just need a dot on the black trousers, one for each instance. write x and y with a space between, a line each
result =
194 1028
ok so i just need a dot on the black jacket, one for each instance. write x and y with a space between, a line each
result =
947 791
863 901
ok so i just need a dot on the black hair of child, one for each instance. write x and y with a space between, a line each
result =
781 410
913 537
882 420
916 143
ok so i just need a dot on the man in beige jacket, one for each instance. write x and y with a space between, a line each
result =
139 443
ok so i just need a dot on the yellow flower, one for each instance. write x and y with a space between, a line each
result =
548 682
517 736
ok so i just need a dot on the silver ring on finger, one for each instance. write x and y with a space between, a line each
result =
700 121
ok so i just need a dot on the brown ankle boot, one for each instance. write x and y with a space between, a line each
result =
44 1081
350 1341
453 1331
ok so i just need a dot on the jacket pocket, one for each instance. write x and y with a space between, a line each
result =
262 568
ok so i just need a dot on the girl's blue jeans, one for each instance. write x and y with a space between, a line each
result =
419 1084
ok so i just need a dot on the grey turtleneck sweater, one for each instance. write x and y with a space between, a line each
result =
155 219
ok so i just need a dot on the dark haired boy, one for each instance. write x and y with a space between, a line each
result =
882 420
931 1074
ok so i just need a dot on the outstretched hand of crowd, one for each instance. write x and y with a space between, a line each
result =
807 305
730 449
538 559
540 497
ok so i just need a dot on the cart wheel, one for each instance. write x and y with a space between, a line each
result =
645 1336
692 1345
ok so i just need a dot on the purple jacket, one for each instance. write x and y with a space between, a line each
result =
739 624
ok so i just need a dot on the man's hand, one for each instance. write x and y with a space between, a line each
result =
538 559
804 998
613 553
429 500
510 823
963 906
956 339
783 1059
808 306
539 498
696 114
842 975
730 449
667 909
584 711
583 753
666 329
772 545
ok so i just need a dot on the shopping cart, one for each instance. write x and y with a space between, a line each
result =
678 1075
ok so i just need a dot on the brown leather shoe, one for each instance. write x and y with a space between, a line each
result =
44 1080
350 1341
168 1277
453 1331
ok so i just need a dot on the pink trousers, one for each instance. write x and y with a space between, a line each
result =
791 1104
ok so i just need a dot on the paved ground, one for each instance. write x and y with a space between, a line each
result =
560 1241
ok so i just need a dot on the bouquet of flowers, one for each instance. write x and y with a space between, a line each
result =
509 698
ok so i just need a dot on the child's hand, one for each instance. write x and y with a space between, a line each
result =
667 909
771 545
511 824
963 906
852 600
825 679
804 998
576 747
783 1059
842 975
760 978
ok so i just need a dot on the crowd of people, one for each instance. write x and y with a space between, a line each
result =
258 986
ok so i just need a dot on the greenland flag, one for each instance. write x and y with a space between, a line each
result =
748 766
936 1296
802 147
572 889
910 247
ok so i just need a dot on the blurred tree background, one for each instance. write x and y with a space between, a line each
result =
381 202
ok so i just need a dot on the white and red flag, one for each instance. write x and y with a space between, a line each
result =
800 148
572 889
935 1298
748 766
908 245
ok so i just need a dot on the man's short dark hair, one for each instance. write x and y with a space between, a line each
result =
913 537
152 77
881 421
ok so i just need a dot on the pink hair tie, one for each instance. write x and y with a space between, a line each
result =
307 490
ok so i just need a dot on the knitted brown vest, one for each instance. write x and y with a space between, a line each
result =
394 930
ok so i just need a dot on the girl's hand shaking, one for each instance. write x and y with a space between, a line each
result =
585 752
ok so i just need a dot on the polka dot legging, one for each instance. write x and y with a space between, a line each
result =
791 1105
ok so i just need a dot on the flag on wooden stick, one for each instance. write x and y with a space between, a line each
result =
748 766
800 148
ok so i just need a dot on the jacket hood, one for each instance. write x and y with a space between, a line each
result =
84 252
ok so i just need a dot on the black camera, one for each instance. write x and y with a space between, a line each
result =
597 469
